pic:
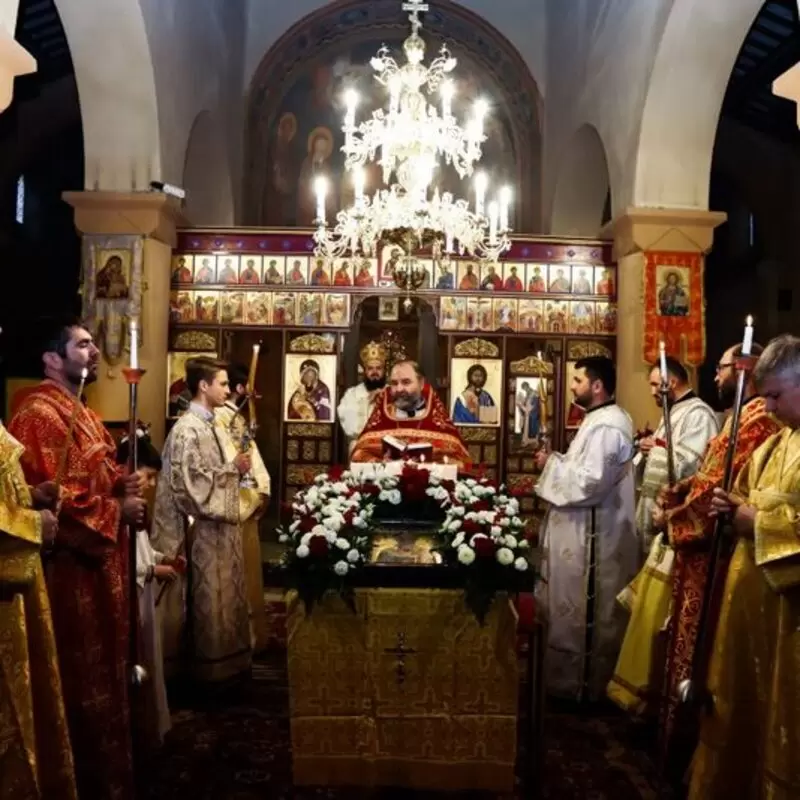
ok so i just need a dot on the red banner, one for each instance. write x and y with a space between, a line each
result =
674 307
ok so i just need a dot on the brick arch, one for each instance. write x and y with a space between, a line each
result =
354 21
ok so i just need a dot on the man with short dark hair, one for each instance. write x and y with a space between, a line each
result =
197 510
86 571
410 411
589 546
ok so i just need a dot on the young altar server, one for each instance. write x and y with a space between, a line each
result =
152 571
589 547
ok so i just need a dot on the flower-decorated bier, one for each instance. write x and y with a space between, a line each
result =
484 538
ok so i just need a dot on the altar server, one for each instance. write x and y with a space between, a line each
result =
358 401
589 546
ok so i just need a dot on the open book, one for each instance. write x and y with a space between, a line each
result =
413 451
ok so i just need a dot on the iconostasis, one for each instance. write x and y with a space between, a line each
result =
515 328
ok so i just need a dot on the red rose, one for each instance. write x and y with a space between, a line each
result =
349 516
449 486
318 546
307 524
482 505
370 489
470 527
484 547
335 473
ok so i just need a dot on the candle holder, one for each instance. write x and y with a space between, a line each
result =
137 674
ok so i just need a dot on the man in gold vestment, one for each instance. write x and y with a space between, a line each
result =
750 742
35 754
232 428
410 411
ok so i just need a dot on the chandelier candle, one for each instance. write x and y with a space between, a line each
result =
320 189
133 337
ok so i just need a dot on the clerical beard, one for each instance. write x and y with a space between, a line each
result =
374 383
727 395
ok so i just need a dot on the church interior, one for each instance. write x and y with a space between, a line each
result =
207 178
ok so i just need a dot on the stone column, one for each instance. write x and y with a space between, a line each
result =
14 58
155 217
635 232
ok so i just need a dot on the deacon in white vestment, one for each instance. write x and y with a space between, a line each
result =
694 424
589 546
358 401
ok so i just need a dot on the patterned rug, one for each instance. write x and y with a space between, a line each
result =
235 746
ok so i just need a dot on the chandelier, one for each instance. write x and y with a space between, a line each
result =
409 140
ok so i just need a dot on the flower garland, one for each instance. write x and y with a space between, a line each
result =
328 539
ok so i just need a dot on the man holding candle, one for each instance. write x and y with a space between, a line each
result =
233 429
750 740
589 545
197 511
87 576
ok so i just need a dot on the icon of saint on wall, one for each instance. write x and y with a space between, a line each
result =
111 282
311 400
673 300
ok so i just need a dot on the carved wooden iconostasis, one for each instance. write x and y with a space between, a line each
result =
517 326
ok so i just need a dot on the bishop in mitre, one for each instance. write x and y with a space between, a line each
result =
589 547
358 401
234 437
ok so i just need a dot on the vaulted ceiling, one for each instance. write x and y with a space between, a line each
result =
40 32
772 46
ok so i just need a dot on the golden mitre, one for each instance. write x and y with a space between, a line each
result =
373 351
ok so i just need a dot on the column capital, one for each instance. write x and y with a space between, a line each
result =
151 214
638 230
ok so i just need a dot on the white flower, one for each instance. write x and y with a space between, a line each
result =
513 504
511 541
302 551
341 568
454 525
318 530
476 537
524 544
334 522
360 522
505 556
355 499
458 541
340 487
283 538
471 482
353 556
306 538
521 564
394 497
495 530
466 555
294 526
504 522
342 544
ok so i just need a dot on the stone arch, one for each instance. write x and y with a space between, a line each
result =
684 97
582 186
359 21
206 174
116 88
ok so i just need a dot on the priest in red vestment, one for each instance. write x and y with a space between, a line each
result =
86 569
409 410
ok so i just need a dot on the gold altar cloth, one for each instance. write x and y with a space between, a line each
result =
407 692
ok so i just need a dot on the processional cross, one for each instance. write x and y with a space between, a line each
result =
400 652
415 8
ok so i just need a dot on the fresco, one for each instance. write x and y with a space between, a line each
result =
304 137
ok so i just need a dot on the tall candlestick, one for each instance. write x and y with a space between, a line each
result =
447 98
662 361
320 188
133 335
747 341
493 214
481 183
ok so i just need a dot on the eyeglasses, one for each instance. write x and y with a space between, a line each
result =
723 364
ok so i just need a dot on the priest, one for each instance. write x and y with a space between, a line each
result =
358 401
409 410
590 548
749 743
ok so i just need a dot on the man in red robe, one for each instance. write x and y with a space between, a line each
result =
409 410
684 511
86 570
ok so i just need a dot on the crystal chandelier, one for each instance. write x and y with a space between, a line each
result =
409 140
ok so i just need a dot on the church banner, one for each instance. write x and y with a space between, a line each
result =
674 307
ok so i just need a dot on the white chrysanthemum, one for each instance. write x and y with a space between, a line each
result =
521 564
505 556
504 522
514 505
283 538
306 538
334 522
294 526
360 522
516 522
455 525
353 556
511 541
318 530
466 555
524 544
457 541
330 536
471 482
496 531
342 544
458 511
302 551
355 499
395 497
340 487
341 568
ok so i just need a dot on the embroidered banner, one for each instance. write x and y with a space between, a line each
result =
674 308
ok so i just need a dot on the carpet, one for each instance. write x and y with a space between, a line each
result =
234 745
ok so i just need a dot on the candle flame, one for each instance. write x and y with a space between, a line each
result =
749 321
84 373
662 347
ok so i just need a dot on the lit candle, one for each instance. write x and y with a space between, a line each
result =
351 101
320 188
505 202
493 214
747 342
133 335
662 361
481 184
481 109
447 97
358 183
